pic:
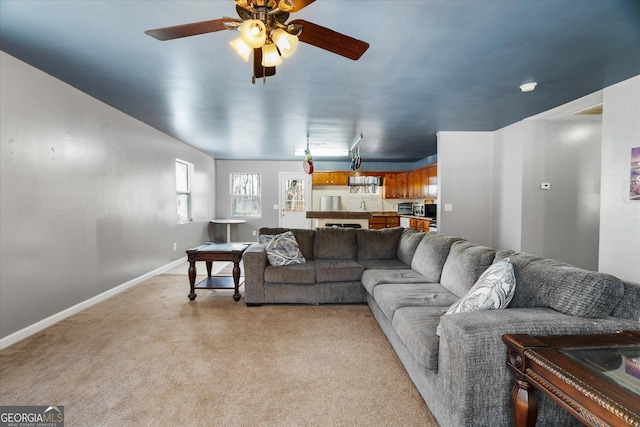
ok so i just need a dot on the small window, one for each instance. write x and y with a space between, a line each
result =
245 195
184 173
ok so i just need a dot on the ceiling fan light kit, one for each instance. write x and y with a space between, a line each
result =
254 33
241 48
264 30
270 55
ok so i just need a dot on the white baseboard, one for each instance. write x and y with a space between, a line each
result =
45 323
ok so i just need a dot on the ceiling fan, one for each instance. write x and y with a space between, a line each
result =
265 33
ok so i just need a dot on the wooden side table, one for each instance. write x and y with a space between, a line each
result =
590 376
216 252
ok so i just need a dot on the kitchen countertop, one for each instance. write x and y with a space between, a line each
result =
348 214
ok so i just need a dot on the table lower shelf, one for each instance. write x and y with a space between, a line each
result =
218 282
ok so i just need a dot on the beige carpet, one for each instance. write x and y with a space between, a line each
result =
149 357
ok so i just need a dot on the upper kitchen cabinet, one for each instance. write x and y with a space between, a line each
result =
416 184
433 181
390 186
330 178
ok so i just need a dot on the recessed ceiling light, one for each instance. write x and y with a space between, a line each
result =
528 87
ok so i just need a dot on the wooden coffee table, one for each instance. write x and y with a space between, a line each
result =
216 252
594 377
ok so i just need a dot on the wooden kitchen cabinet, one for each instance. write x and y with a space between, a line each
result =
411 185
433 180
330 178
402 185
378 222
390 187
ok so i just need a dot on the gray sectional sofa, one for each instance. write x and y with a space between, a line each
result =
409 280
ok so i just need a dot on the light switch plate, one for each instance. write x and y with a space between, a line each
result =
545 185
275 207
448 207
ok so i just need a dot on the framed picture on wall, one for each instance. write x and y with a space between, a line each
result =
634 191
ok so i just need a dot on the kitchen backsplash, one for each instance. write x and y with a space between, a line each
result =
352 202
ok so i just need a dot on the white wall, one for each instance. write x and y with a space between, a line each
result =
465 180
620 224
87 197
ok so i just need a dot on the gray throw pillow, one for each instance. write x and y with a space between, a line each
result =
282 249
492 291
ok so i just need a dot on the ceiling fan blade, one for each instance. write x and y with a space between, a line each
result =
300 4
330 40
187 30
258 70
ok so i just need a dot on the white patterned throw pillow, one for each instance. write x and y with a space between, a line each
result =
282 249
493 290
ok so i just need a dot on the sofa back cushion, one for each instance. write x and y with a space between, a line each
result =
378 244
464 265
431 254
335 243
629 306
408 243
570 290
303 237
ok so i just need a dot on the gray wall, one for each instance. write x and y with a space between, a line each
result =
270 171
508 146
493 179
87 197
465 180
620 224
563 222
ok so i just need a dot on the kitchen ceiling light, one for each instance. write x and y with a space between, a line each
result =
528 87
323 152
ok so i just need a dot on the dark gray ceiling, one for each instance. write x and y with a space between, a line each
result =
432 66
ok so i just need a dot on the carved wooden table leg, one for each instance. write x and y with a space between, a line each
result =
192 279
209 265
236 278
524 406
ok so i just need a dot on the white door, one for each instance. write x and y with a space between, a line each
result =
295 200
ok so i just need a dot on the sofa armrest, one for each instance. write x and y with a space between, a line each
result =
254 262
472 357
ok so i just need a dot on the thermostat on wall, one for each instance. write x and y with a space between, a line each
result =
545 185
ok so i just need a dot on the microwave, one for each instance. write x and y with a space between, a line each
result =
426 210
405 208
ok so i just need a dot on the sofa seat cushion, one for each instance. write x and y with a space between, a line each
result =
304 274
372 278
416 328
383 264
338 270
391 297
378 244
431 254
464 265
335 243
